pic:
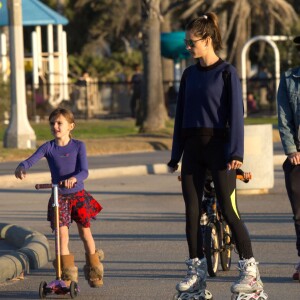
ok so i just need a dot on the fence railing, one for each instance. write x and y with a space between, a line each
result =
108 99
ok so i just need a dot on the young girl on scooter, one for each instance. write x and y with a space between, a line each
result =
68 165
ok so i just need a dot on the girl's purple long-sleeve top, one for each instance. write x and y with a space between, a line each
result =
63 161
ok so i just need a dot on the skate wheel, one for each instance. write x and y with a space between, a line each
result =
42 290
234 296
208 295
263 296
198 298
73 289
177 296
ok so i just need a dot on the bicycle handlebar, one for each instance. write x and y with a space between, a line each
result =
239 176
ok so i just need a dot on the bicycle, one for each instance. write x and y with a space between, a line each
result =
218 242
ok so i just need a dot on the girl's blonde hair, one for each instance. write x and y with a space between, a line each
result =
206 26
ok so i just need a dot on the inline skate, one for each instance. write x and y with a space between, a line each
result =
192 287
249 285
296 275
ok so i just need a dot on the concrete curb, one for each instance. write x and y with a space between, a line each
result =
33 251
44 177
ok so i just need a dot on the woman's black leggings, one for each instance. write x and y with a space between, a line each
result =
292 179
202 153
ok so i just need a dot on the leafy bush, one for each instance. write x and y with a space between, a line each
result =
118 67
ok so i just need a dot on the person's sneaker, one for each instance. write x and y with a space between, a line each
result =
196 276
296 275
249 278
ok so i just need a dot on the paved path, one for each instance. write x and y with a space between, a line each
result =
103 161
141 230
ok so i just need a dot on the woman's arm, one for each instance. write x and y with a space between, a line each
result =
236 119
177 145
286 124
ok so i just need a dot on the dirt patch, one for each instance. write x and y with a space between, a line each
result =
102 146
111 146
127 144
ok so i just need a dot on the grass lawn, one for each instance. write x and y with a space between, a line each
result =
99 135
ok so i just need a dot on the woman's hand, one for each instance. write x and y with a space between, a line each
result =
171 169
294 158
247 175
69 183
20 172
234 164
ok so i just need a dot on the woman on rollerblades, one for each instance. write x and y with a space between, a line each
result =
288 125
68 165
209 134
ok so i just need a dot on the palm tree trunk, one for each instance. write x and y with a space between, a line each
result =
167 64
223 20
152 88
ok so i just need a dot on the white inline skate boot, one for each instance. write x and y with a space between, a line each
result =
194 284
296 275
249 285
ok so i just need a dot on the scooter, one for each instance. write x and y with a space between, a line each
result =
57 286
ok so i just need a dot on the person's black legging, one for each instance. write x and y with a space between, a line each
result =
202 153
292 179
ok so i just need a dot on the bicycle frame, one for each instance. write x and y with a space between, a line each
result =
217 239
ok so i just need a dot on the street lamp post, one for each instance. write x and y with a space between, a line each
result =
19 133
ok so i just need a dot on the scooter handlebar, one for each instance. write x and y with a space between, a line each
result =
43 186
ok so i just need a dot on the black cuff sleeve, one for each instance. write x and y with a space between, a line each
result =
172 163
238 158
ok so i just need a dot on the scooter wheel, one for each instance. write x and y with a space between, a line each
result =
73 289
42 290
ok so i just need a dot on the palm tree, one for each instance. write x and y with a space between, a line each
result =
152 92
166 26
247 18
103 26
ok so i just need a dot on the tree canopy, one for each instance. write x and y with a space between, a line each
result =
100 29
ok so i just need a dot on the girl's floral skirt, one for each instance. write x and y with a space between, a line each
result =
80 207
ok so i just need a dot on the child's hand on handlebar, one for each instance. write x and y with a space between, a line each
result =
68 183
20 172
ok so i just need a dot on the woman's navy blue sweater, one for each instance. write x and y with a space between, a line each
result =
209 103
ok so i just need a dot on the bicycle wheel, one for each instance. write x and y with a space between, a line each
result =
226 247
211 248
